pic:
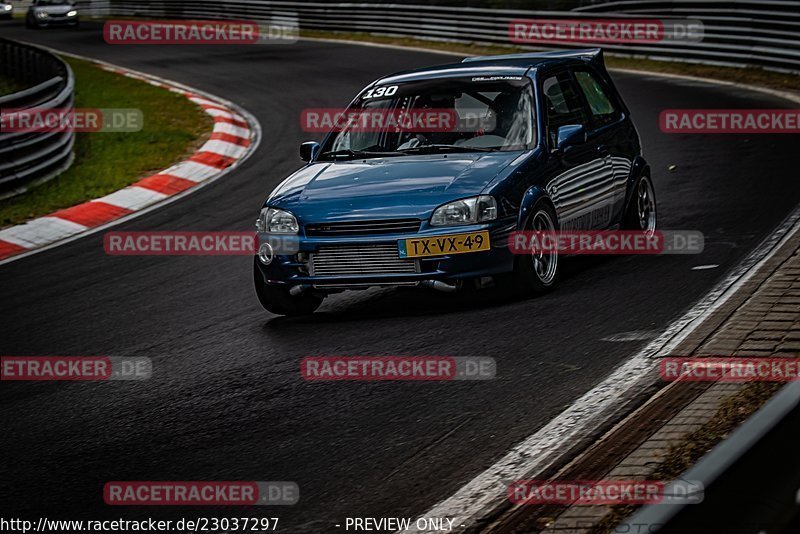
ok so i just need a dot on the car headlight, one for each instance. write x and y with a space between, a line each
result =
277 221
465 211
72 13
7 7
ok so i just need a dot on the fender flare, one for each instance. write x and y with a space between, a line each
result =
532 195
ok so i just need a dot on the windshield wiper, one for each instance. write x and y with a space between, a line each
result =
422 149
349 153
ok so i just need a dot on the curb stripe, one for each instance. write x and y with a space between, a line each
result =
231 139
92 213
40 231
228 138
221 127
208 108
200 101
213 159
133 197
234 122
9 249
166 183
223 148
190 170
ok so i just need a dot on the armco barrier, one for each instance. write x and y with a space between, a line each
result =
762 33
27 158
751 479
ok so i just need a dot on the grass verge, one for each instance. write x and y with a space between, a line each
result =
105 162
753 76
9 85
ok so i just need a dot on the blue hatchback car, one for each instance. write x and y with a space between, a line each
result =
551 147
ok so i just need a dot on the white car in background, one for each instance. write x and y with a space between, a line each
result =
6 9
44 13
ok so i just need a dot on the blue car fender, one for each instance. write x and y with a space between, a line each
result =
529 200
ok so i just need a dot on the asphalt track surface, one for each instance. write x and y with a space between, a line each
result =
227 401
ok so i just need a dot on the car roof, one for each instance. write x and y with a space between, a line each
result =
501 65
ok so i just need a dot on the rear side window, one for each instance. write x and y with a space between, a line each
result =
600 104
563 104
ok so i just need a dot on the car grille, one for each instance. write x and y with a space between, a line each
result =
392 226
360 260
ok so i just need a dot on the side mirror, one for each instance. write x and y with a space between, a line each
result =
309 150
570 135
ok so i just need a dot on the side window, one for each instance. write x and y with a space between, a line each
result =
603 110
563 104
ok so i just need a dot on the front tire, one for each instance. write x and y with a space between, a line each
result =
538 272
277 299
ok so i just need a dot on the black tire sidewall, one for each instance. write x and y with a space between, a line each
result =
276 299
631 219
525 276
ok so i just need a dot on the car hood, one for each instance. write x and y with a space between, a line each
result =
54 10
404 187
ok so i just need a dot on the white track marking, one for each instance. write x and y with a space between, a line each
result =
40 231
191 170
133 198
224 148
224 114
705 267
203 101
631 336
224 127
602 403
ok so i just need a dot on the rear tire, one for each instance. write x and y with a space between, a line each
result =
276 299
641 212
538 272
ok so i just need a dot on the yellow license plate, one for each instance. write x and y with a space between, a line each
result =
422 247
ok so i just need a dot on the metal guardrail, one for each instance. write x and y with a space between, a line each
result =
751 479
763 33
28 158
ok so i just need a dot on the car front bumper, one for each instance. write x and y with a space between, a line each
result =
56 21
296 269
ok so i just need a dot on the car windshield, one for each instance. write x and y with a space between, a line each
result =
475 114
